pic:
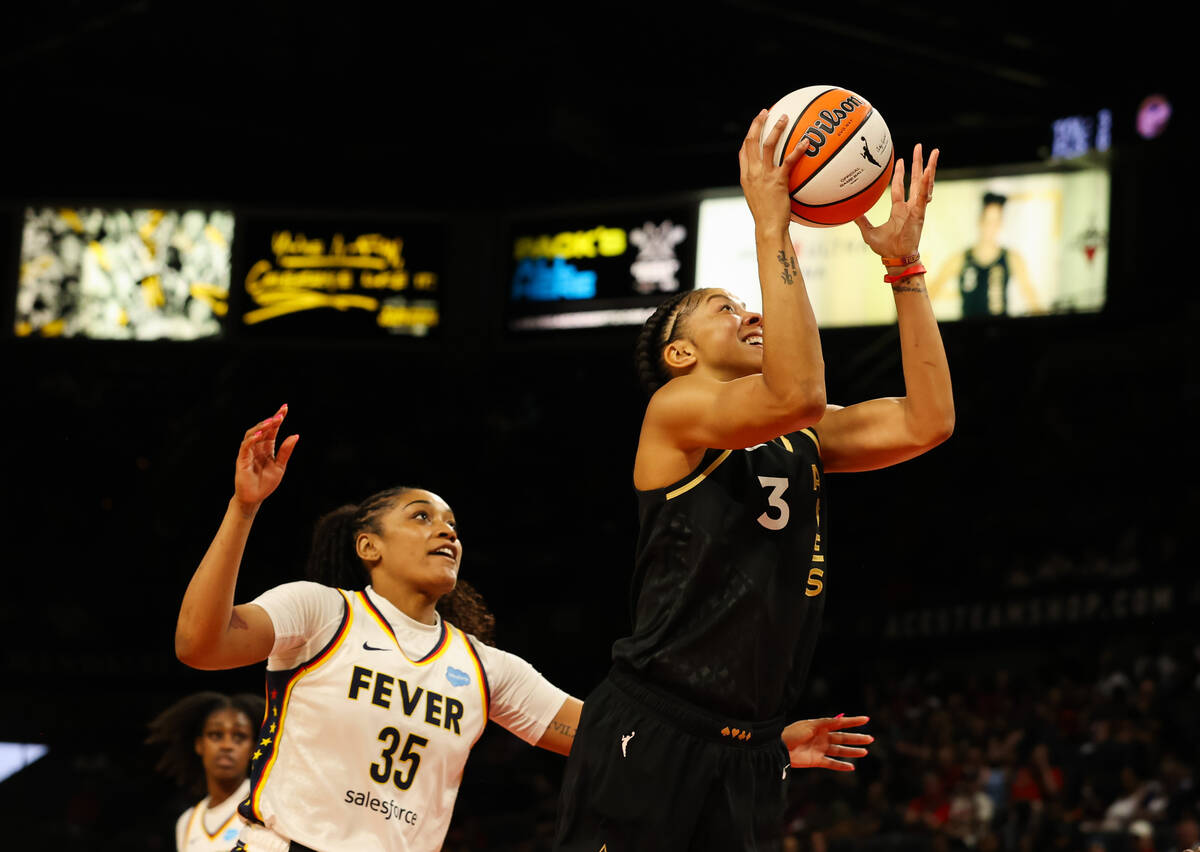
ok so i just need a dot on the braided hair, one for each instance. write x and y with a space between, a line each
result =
177 727
662 327
332 561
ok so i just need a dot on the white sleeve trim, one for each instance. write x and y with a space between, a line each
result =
523 701
305 615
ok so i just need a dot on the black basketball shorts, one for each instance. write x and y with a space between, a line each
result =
650 772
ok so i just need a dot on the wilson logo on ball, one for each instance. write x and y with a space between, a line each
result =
829 121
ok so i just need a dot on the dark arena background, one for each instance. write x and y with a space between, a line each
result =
414 225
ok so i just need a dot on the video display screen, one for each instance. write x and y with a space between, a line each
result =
1012 244
114 274
328 278
598 269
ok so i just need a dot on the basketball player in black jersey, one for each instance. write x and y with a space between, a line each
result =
679 747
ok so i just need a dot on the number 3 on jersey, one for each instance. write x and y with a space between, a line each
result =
779 484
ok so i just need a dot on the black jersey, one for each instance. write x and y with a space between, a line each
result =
984 287
730 577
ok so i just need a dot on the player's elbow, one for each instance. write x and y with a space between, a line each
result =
936 431
188 650
803 403
185 650
947 426
943 434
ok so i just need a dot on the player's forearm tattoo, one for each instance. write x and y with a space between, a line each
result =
236 622
564 729
790 269
908 287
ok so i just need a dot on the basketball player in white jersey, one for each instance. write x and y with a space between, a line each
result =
207 739
379 678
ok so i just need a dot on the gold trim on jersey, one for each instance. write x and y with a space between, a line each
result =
787 445
256 793
212 835
812 436
700 477
438 650
485 689
188 831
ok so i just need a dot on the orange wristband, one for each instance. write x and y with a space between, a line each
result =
918 269
907 260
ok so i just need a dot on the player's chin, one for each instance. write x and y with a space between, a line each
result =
443 580
227 771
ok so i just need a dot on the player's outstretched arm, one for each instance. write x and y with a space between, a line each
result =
824 744
882 432
211 632
560 733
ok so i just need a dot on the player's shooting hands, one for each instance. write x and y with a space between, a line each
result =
900 235
765 184
823 743
260 466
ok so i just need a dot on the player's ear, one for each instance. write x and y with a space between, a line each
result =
680 354
366 546
198 745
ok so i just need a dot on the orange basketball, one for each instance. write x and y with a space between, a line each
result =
850 159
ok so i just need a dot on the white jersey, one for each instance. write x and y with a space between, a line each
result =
363 746
201 828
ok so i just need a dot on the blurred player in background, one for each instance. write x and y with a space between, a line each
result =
207 739
984 270
679 747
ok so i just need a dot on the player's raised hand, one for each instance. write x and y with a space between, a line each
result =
823 743
765 184
900 235
260 466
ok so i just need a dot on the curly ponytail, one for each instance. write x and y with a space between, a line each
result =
657 331
465 609
332 561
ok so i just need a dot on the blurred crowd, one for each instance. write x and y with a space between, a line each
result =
1096 756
